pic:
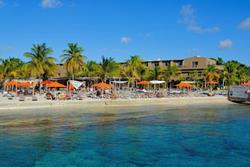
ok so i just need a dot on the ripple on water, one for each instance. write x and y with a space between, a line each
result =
151 136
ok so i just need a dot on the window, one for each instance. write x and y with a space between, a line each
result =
178 64
195 64
156 64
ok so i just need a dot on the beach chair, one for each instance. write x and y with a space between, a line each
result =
34 98
9 96
50 96
21 98
61 97
67 97
80 97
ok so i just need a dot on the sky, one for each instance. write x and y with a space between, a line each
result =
153 29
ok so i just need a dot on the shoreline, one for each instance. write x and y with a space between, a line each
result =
93 103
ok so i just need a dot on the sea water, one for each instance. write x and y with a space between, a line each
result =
158 136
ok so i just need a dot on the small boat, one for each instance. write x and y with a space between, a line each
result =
239 94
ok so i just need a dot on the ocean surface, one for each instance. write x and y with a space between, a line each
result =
190 136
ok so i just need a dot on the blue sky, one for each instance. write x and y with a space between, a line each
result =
153 29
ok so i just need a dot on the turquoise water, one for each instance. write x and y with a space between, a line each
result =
214 136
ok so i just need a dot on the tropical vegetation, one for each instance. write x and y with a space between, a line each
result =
42 65
73 60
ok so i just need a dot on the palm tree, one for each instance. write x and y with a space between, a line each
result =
11 68
220 61
171 73
134 69
243 73
156 73
93 69
41 64
195 76
109 68
73 59
211 74
230 72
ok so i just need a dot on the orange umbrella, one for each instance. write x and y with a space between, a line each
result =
46 82
103 85
11 83
246 84
55 85
183 84
212 83
143 83
24 84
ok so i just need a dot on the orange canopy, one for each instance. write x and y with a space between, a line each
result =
55 85
212 83
246 84
183 84
46 82
103 85
11 83
24 84
143 83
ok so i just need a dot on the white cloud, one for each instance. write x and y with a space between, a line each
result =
245 24
189 20
225 44
51 3
2 3
125 40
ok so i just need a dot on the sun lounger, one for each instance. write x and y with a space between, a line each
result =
34 98
50 96
68 97
9 96
61 97
80 97
21 98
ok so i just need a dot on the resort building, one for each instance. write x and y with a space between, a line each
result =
186 65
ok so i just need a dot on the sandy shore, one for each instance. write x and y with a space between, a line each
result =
90 103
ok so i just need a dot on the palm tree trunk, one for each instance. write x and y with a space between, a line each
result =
40 86
205 83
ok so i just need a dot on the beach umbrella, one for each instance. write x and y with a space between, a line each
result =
24 84
46 82
76 84
55 85
119 82
246 84
143 83
157 82
11 83
102 85
183 84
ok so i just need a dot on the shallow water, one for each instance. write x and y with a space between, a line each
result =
215 136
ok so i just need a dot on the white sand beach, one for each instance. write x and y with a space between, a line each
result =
7 105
